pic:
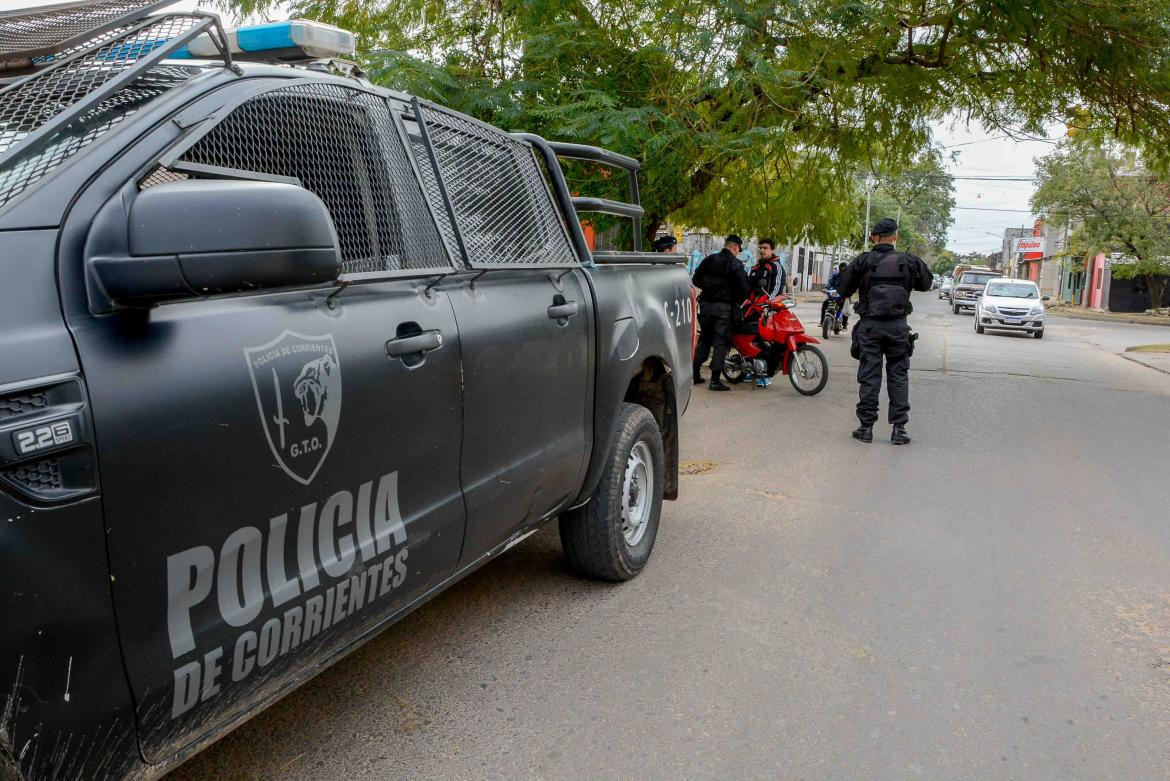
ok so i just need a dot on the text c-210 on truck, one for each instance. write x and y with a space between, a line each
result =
282 356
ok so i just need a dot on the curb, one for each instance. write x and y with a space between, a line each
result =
1109 319
1140 362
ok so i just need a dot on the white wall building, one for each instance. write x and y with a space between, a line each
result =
808 264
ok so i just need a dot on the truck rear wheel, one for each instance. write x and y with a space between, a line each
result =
611 537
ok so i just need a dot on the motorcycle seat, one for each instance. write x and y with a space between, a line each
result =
748 327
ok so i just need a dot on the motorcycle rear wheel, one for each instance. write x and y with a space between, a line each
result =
808 370
737 374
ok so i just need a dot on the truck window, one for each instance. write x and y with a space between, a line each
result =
341 144
975 278
503 208
430 183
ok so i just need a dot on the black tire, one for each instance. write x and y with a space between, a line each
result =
733 376
1039 334
954 309
592 536
826 324
816 355
978 327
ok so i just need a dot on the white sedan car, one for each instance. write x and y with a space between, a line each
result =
1011 305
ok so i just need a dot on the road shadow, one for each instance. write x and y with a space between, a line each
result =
1009 334
524 582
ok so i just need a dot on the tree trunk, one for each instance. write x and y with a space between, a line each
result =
650 225
1156 289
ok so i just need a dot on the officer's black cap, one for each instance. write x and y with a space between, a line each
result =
664 243
734 239
884 227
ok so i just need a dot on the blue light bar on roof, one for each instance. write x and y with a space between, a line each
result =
298 39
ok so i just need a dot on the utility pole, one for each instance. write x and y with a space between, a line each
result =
868 201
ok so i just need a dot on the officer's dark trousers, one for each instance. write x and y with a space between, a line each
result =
715 332
888 339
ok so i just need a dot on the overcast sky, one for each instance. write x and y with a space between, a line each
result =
979 153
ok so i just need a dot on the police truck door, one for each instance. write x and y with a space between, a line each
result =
278 477
525 321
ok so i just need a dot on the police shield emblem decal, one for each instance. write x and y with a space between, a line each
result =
297 382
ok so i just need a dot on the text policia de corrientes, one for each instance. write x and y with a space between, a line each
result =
329 538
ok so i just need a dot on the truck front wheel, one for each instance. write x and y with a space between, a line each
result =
610 538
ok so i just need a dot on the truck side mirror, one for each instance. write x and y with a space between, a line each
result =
206 237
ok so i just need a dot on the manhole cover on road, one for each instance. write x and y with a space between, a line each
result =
696 467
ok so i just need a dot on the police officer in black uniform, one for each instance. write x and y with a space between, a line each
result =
883 279
724 285
665 244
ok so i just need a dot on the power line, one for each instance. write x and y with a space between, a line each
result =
896 180
989 209
995 178
1000 138
974 178
969 143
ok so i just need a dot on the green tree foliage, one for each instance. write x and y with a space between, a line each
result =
1115 202
924 194
921 198
764 112
945 264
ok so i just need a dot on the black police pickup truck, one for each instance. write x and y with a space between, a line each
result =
282 356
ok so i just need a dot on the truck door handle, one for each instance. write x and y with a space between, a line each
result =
414 345
563 311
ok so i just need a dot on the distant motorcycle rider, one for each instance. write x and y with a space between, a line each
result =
836 275
883 279
724 285
831 284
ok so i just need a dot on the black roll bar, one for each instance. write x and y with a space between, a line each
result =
561 192
551 151
606 206
650 258
594 153
606 157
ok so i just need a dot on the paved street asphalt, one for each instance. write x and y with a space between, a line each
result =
991 602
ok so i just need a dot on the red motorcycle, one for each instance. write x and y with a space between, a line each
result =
772 339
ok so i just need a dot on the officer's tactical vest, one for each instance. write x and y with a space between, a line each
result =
887 295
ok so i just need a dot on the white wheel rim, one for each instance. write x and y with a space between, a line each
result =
806 370
637 494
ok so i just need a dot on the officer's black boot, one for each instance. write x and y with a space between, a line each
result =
717 385
899 435
863 433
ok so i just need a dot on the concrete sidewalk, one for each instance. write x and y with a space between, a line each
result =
1080 313
1157 361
